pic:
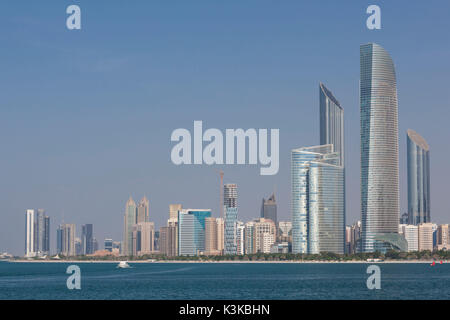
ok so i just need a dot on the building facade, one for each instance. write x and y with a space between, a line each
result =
143 211
442 237
269 209
379 150
87 239
129 222
318 218
411 235
211 236
230 219
331 122
66 239
191 231
425 236
418 158
37 233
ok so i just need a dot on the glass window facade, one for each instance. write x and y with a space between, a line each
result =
379 146
418 158
318 218
191 231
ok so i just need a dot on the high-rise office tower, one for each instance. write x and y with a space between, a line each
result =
220 235
147 237
317 200
108 244
191 231
30 226
250 238
379 151
269 208
169 239
37 233
94 245
411 234
129 221
331 122
425 236
231 213
265 235
240 238
46 240
356 237
143 211
211 236
87 237
78 248
332 127
66 239
173 211
443 237
143 237
418 158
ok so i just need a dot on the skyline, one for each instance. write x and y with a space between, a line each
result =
86 168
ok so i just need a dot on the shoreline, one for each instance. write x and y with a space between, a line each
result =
229 261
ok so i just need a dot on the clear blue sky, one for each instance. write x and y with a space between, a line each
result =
86 116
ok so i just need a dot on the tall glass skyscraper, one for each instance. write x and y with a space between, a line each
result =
331 122
191 231
231 213
87 235
269 209
37 233
379 150
418 178
129 221
317 182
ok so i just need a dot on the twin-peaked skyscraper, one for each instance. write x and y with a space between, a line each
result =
139 232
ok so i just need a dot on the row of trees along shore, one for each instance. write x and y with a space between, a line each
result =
324 256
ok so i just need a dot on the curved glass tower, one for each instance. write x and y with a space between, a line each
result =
379 149
317 182
418 178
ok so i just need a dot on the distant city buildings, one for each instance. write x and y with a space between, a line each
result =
352 238
269 209
108 244
139 235
418 159
87 239
37 233
284 231
129 222
143 211
443 237
66 240
143 238
379 151
259 236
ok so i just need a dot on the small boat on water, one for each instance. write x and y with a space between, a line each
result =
123 264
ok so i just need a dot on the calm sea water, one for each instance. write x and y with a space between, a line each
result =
223 281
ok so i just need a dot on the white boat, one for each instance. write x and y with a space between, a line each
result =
123 264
